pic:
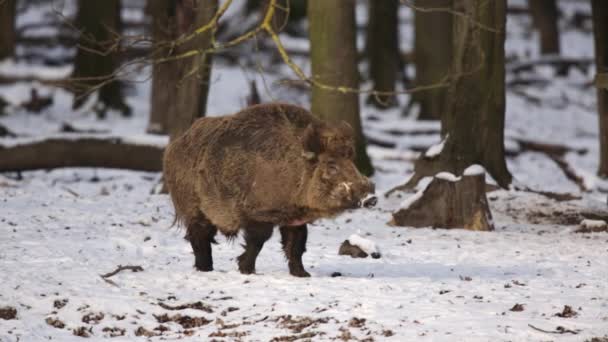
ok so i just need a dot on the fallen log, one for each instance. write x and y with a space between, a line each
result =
558 62
80 152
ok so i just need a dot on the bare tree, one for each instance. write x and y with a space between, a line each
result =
7 28
432 55
382 49
600 29
180 87
96 60
334 63
545 15
475 114
164 29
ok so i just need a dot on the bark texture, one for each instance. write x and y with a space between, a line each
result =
475 115
164 29
600 30
334 62
7 28
546 19
449 204
382 48
83 152
432 56
180 87
97 56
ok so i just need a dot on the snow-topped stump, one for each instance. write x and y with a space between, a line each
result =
449 202
592 226
359 247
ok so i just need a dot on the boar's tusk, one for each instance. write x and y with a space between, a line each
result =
347 187
308 155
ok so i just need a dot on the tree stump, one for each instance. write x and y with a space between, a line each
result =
448 202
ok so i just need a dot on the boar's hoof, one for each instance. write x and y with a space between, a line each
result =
299 273
245 265
204 268
246 269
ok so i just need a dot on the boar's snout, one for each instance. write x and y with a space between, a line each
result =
359 194
366 197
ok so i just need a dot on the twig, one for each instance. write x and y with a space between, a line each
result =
71 192
121 268
559 330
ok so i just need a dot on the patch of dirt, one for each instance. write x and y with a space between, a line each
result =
8 312
228 310
517 308
586 230
233 334
114 331
598 339
83 331
55 322
185 321
196 306
60 303
141 331
387 333
93 317
356 322
297 324
162 328
307 335
567 312
562 218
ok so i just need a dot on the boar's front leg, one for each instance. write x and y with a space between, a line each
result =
293 239
201 234
256 234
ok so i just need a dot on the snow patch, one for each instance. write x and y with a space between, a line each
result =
435 150
450 177
410 200
594 224
367 245
474 170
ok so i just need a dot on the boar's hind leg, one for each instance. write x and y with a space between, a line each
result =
201 235
294 245
255 236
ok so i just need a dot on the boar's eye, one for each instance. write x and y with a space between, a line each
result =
332 170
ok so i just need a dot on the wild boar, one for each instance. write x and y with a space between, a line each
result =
267 165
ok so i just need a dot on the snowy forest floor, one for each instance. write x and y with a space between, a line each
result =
61 230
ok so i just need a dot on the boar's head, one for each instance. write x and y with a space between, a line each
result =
335 184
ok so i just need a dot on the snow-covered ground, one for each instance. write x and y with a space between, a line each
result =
61 230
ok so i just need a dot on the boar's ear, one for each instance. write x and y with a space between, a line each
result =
310 140
346 128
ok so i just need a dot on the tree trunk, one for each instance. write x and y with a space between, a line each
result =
545 16
97 55
164 29
600 29
195 72
334 62
7 28
180 87
382 48
475 114
432 56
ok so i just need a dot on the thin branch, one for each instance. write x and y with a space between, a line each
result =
449 10
121 268
559 330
